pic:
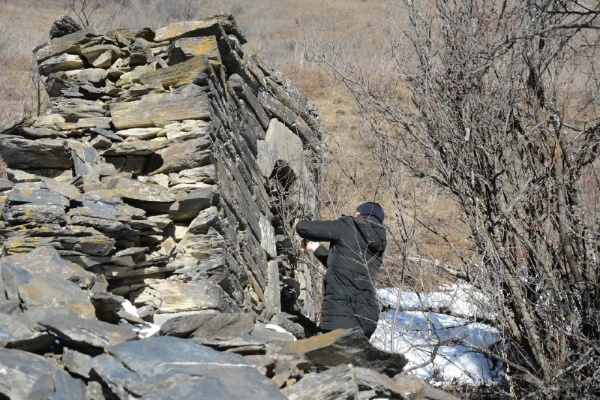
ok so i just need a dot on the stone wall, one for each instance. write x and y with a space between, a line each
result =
171 163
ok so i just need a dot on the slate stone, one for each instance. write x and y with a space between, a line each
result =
171 296
107 134
208 325
77 363
158 109
141 52
333 384
188 387
205 219
40 132
19 332
277 110
203 246
379 384
7 306
63 62
34 213
273 287
264 331
410 386
69 43
64 189
106 208
140 367
286 321
192 72
137 147
244 92
5 184
91 75
23 153
243 345
29 376
36 196
281 144
93 53
346 346
182 156
191 200
133 189
42 290
64 26
90 336
178 30
186 48
74 109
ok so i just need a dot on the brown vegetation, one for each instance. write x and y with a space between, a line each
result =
507 122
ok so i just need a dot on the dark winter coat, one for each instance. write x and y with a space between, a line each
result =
353 260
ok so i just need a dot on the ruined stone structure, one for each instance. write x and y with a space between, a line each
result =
172 164
169 171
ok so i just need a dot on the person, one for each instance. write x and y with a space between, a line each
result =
356 246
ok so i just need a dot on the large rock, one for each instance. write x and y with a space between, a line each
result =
23 153
346 347
39 290
64 26
167 367
30 376
158 109
209 325
336 383
173 296
89 335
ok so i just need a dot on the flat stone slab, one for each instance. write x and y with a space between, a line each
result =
173 365
29 376
89 335
209 325
20 153
158 109
346 346
40 290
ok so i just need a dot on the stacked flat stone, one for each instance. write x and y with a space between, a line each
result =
171 163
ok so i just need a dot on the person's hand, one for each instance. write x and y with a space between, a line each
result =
309 245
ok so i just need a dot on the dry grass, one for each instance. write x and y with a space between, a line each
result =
277 30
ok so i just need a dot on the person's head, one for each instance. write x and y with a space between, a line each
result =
370 208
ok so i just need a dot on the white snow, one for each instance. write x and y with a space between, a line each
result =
435 344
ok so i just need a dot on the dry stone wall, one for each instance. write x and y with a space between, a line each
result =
170 163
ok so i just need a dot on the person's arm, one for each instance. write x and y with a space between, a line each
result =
319 231
322 253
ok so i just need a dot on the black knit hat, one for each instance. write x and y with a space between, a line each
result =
371 208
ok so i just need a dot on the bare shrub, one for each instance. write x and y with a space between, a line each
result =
490 120
84 10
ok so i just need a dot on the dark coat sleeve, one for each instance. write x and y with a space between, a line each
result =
318 231
322 253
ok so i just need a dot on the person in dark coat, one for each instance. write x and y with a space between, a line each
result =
356 246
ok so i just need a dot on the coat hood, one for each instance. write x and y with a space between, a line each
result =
373 232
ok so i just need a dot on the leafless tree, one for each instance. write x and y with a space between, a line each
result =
84 10
503 114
